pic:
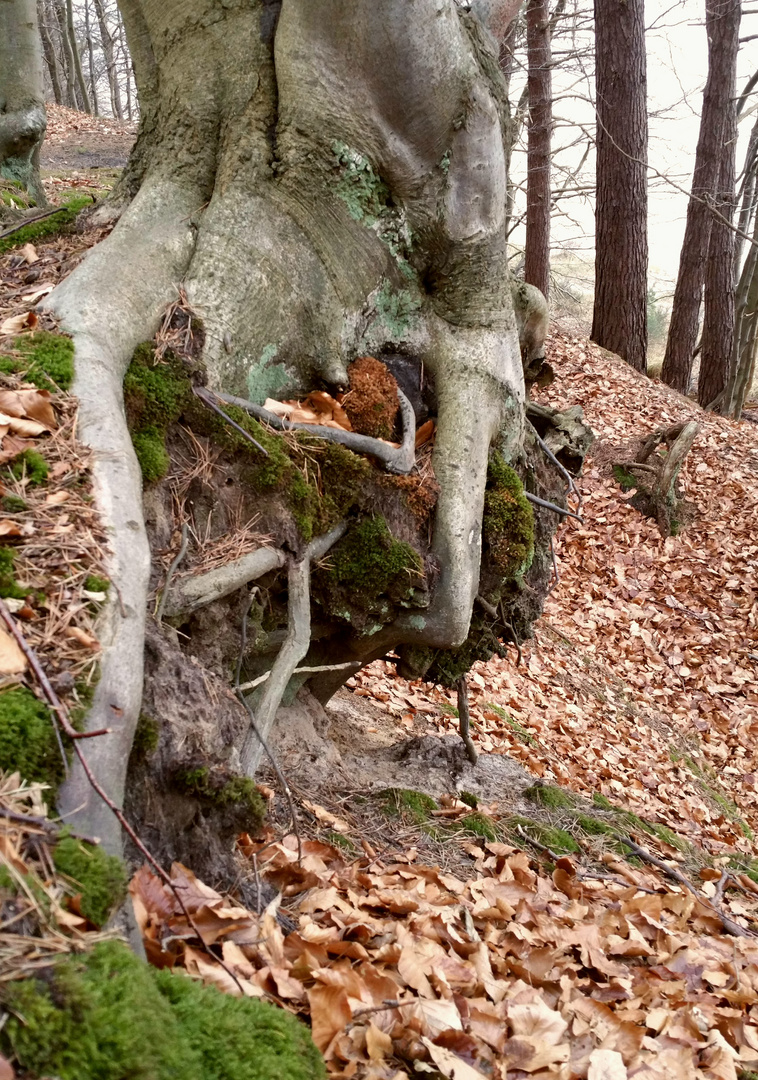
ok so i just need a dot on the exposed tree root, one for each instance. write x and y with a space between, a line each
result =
395 459
292 652
191 593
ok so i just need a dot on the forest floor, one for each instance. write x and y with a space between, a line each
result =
584 901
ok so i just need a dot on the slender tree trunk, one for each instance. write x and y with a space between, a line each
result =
81 85
49 52
619 321
718 309
106 40
745 336
722 26
127 72
747 199
68 54
22 96
91 58
537 253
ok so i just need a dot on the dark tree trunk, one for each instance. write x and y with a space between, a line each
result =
51 58
91 60
718 316
537 251
722 27
68 54
619 320
81 85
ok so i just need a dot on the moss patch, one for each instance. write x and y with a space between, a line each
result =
508 522
518 729
407 803
101 877
59 222
371 573
146 737
552 798
42 358
108 1016
624 478
152 455
219 789
557 840
27 738
30 466
9 587
97 584
478 824
13 504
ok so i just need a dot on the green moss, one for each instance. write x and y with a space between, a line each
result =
238 792
408 803
624 478
27 738
469 799
13 504
9 587
370 572
448 665
553 798
45 359
669 837
30 466
518 729
101 877
155 392
602 802
152 455
478 824
57 223
557 840
97 584
146 737
341 842
593 826
108 1016
508 521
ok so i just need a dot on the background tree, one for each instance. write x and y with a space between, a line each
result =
621 250
538 194
722 19
22 102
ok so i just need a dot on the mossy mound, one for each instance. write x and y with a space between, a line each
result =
59 222
108 1016
100 877
42 358
30 466
508 522
552 798
371 574
409 803
238 795
27 738
372 402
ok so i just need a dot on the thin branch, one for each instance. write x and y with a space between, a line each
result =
559 466
207 399
552 506
30 221
302 671
171 571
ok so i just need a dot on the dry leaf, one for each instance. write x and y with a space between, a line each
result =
449 1064
29 254
330 1013
331 820
16 323
41 290
12 659
606 1065
9 528
57 498
82 637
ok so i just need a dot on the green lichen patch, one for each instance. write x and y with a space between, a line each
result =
31 467
371 572
218 788
43 358
508 522
405 802
27 738
108 1016
59 222
101 878
396 309
364 192
552 798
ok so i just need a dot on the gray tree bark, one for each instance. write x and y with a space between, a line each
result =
22 96
106 40
538 195
51 57
326 181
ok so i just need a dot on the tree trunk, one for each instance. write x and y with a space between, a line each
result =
68 54
91 59
619 321
22 96
106 40
81 85
722 26
327 184
51 58
746 199
745 337
718 308
537 251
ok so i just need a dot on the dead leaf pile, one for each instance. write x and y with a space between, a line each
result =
402 967
640 683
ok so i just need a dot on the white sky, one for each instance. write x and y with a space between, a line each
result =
677 69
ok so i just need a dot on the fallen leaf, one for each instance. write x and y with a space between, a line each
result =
29 254
9 528
449 1064
606 1065
82 637
12 659
36 295
16 323
330 1013
331 820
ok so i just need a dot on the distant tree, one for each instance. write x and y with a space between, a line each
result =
538 199
722 18
619 320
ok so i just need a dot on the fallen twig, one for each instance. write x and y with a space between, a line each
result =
395 459
728 924
552 506
171 571
302 671
464 720
559 465
30 221
207 398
